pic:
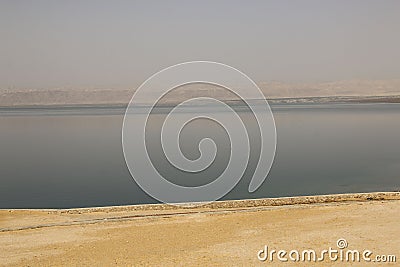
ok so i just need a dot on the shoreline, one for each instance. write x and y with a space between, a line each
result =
240 203
25 219
223 204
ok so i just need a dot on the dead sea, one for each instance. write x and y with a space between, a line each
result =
72 157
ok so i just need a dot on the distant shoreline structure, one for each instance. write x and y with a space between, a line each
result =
286 100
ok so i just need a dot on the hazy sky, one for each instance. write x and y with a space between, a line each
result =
121 43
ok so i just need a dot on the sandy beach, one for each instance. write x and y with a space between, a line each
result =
218 234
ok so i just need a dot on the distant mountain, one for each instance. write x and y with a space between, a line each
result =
271 90
64 97
338 88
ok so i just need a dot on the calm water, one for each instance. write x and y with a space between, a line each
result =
73 157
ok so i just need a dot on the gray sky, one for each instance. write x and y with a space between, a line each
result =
121 43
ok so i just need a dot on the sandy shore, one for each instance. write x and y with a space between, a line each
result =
223 233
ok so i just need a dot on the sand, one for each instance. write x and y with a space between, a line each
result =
222 234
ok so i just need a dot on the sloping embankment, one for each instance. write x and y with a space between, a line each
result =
23 219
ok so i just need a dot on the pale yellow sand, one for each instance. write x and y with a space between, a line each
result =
225 234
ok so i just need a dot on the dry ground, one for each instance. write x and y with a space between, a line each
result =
196 237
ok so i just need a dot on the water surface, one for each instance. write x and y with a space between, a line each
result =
61 158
